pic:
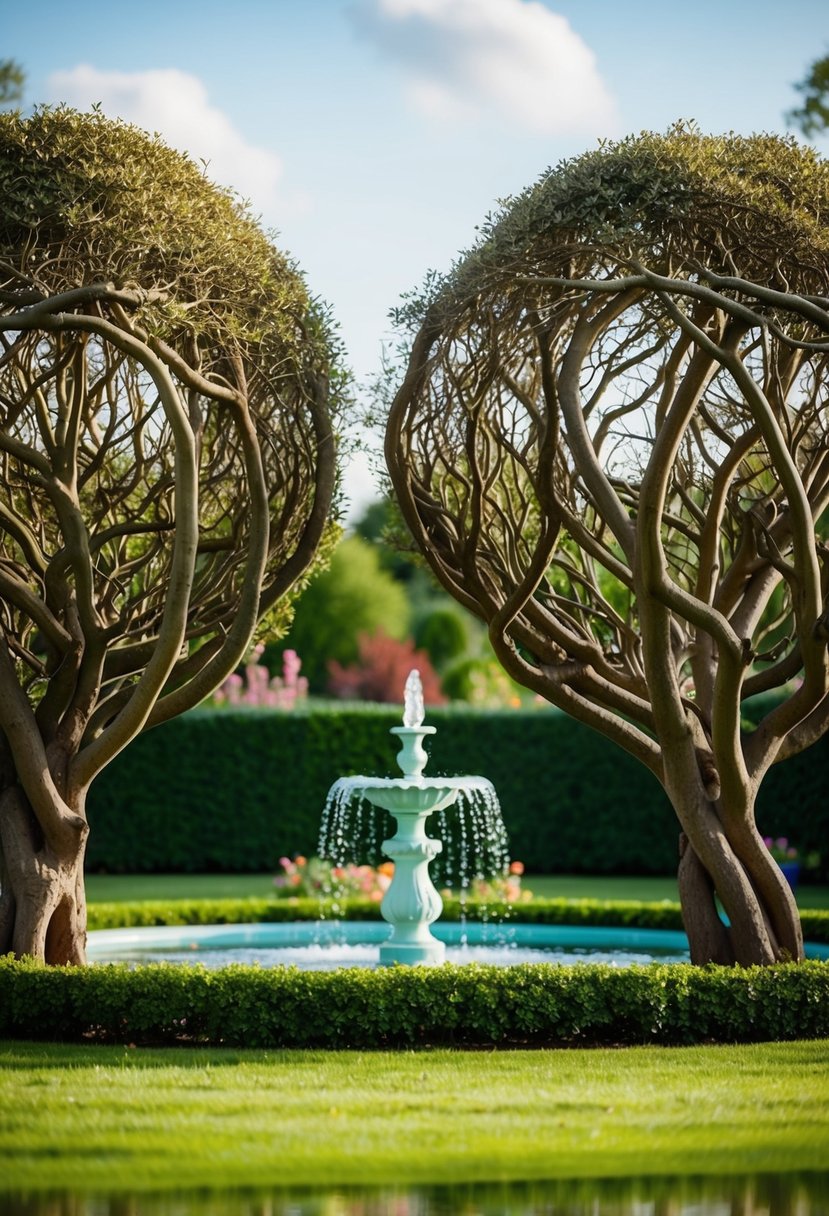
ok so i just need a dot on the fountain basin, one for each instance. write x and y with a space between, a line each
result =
325 945
398 796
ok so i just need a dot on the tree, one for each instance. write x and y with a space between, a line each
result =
610 443
812 117
443 634
12 79
166 396
353 596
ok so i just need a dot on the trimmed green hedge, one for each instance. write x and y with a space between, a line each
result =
664 915
233 791
622 912
533 1004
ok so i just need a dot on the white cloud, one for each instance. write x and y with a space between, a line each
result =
176 105
514 60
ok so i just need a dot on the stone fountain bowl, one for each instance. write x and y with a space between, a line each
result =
400 796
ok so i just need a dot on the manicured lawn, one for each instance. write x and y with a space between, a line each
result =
116 887
154 1119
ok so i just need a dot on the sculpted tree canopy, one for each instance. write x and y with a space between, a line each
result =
167 456
610 443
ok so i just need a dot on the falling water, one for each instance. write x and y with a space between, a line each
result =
474 836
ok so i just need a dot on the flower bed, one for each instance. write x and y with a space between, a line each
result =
316 878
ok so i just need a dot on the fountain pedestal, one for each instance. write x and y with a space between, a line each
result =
411 902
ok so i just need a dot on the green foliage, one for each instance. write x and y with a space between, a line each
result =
815 923
666 200
455 640
627 913
114 205
353 596
537 1004
235 790
444 633
12 79
812 117
481 681
381 524
624 913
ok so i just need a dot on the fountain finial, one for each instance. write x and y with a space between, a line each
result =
413 711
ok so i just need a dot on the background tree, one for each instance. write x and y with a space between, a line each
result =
12 80
353 596
812 116
610 444
166 472
455 641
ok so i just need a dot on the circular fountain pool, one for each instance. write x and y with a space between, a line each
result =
325 945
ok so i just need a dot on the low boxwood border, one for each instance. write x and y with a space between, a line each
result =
625 913
633 913
462 1006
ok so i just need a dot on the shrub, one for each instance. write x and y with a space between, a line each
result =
531 1004
481 682
444 634
380 672
625 913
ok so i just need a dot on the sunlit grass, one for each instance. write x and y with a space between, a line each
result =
115 1117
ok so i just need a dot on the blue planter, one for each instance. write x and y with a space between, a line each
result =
791 872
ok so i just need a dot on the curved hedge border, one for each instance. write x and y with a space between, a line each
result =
464 1006
664 915
625 913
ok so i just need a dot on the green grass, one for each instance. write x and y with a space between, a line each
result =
114 1118
124 888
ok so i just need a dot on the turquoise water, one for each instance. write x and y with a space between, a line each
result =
325 945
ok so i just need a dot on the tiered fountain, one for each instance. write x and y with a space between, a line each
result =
411 903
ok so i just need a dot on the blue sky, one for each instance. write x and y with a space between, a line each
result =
374 135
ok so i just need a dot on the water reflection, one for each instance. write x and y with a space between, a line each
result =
761 1195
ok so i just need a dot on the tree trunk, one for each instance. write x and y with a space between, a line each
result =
42 898
761 923
707 935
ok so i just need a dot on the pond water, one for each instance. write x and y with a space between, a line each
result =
326 945
759 1195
